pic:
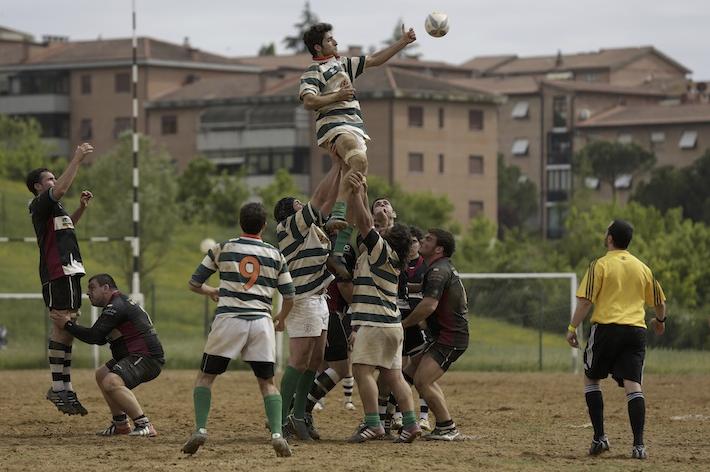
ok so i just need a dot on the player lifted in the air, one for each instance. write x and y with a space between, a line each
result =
327 89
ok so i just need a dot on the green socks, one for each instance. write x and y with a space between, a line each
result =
289 382
304 386
273 405
408 418
341 240
338 211
372 420
202 397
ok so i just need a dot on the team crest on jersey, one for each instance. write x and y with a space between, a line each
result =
63 222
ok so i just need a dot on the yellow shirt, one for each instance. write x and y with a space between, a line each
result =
619 285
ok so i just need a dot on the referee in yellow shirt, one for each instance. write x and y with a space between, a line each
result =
619 286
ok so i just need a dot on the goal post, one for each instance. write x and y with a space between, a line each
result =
569 276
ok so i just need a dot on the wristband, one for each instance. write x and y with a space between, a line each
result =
661 321
572 329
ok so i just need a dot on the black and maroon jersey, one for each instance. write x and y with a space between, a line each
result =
58 248
336 302
448 324
125 326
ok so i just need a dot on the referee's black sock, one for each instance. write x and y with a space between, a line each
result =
595 405
637 414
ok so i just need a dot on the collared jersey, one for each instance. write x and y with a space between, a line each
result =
448 323
250 271
58 248
305 246
619 285
325 77
375 284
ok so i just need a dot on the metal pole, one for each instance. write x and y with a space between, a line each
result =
95 347
539 330
136 281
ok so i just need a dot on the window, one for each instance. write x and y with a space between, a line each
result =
416 162
559 111
475 208
441 118
86 85
122 82
559 179
520 110
121 124
168 124
623 181
688 140
326 163
441 163
475 119
475 165
85 130
624 138
520 147
416 117
658 137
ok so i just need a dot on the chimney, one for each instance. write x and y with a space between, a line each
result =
354 50
558 59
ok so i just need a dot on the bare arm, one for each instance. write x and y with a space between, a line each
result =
423 311
346 291
327 190
659 323
360 213
286 307
311 101
65 180
83 203
204 289
384 55
580 313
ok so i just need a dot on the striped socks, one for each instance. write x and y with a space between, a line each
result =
57 352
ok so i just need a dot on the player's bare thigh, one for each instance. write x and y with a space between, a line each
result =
352 151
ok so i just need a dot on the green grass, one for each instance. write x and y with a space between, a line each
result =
178 313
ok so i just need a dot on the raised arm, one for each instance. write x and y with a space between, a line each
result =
327 190
65 180
83 203
384 55
359 212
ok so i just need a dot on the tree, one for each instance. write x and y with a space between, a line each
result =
308 19
517 197
608 161
407 52
282 186
686 188
195 185
228 194
21 147
268 49
110 179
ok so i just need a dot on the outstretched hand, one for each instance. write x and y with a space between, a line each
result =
83 150
85 197
408 36
356 180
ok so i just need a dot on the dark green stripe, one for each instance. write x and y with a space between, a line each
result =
222 310
301 271
367 281
307 212
376 318
313 252
287 289
328 126
384 275
370 300
237 277
360 67
201 274
313 285
251 242
312 81
331 72
340 111
313 68
349 68
245 296
238 256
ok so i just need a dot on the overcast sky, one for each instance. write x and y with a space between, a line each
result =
679 28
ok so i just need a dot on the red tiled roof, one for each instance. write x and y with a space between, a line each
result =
650 115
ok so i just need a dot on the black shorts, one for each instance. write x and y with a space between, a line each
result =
135 369
217 365
336 348
414 341
619 350
443 355
63 293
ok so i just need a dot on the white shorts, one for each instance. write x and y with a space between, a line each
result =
379 346
252 340
308 317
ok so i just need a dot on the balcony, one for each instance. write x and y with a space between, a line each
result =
34 104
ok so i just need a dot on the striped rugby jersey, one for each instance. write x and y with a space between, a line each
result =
250 270
375 284
305 247
324 77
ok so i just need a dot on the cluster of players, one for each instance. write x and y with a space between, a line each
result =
385 304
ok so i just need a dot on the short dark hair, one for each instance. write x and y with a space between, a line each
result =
314 35
621 233
378 199
104 279
35 177
284 208
252 217
444 239
416 232
400 240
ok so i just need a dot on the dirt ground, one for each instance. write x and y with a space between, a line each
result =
513 422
